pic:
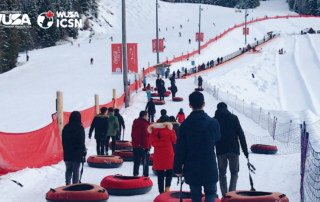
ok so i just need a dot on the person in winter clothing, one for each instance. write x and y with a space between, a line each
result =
176 127
144 81
91 61
178 73
162 136
166 73
163 113
185 71
174 89
212 63
27 58
162 82
218 60
174 74
200 80
121 123
158 82
195 149
151 109
179 34
181 26
89 40
141 144
149 91
208 64
113 129
189 41
203 66
74 149
100 125
180 116
199 68
221 60
228 146
161 91
173 80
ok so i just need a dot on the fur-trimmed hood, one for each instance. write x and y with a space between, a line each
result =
102 116
160 126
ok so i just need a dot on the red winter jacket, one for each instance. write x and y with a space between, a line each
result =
162 136
181 117
139 134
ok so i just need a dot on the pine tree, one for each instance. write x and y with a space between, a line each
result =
312 7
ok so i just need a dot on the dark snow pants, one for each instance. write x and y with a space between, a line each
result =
210 192
72 171
138 154
100 146
113 143
161 96
151 117
234 169
161 175
173 94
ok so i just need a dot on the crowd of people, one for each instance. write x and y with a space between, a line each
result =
181 145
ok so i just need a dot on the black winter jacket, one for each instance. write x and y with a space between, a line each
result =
100 125
174 89
161 89
151 107
73 142
200 81
195 149
231 133
121 121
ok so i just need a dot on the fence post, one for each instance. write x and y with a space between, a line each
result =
96 101
115 98
149 67
139 81
173 58
274 128
259 115
193 52
60 111
167 59
135 81
289 131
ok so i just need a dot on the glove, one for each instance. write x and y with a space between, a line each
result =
147 150
246 154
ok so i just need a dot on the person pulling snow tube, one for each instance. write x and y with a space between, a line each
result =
174 196
122 144
104 161
120 185
264 149
177 99
159 102
252 196
167 94
127 155
78 192
198 89
154 94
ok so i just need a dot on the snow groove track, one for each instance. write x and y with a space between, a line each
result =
291 78
309 68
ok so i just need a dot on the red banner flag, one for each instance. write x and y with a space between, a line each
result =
201 36
132 52
154 45
116 54
244 31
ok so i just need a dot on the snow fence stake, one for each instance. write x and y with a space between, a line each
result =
96 100
259 116
289 132
115 98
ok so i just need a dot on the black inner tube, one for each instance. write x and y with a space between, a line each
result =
253 193
126 177
79 187
185 195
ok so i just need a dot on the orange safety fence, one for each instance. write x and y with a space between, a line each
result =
43 147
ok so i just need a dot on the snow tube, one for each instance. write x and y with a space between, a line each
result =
78 192
154 94
173 196
198 89
126 185
122 145
177 99
156 88
105 161
169 88
156 173
253 196
263 149
168 92
127 155
158 102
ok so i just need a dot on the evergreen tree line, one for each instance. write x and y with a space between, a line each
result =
305 7
14 40
243 4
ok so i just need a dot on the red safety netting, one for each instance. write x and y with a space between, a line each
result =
43 147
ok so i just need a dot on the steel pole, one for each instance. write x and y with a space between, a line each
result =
124 53
158 62
199 28
245 29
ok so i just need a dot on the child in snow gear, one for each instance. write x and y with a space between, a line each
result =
27 58
162 136
141 144
121 123
74 149
144 81
91 61
200 82
100 125
180 116
113 129
149 91
178 73
174 89
228 147
151 109
194 149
